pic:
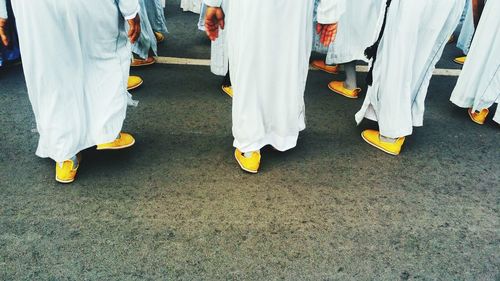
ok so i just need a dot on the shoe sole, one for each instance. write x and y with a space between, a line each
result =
324 70
340 93
135 87
243 168
378 147
226 92
117 148
64 182
143 64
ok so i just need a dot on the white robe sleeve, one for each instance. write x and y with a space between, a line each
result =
3 9
128 8
329 11
213 3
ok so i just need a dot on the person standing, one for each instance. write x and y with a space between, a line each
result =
77 89
478 86
413 39
360 25
268 102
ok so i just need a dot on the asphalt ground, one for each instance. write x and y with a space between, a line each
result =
177 207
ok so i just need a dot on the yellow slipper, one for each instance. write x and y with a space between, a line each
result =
141 62
460 60
479 117
250 164
228 90
159 37
321 65
372 137
339 88
124 141
134 82
67 172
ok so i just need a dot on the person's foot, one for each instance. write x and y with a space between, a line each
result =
248 164
373 138
123 141
451 39
321 65
159 37
228 90
141 62
339 88
66 171
479 117
460 60
134 82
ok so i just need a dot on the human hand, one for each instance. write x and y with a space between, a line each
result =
327 33
4 38
135 29
214 20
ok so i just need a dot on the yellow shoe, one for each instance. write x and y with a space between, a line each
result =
67 173
372 137
124 141
338 87
141 62
479 117
460 60
159 37
250 164
321 65
134 82
228 90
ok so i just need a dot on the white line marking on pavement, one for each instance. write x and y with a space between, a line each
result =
359 68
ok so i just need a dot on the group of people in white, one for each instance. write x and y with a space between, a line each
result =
78 74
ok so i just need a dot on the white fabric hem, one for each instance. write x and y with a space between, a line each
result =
280 143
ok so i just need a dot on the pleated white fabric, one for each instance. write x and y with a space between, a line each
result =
147 40
3 9
467 30
413 42
156 15
77 86
478 86
191 5
269 79
358 29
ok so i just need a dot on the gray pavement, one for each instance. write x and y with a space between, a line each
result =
177 207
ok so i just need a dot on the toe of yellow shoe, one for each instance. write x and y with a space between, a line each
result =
125 141
372 137
134 82
228 90
460 60
339 88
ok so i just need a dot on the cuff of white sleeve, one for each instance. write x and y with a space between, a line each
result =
133 15
213 3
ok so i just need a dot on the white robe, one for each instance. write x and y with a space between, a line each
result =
269 79
3 9
413 42
147 40
191 6
478 86
219 61
358 29
76 60
467 30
